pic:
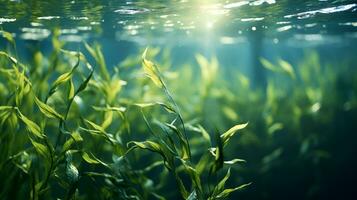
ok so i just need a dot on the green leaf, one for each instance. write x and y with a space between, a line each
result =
167 107
181 187
218 153
194 176
8 36
108 119
157 196
203 62
230 113
2 108
62 79
228 134
143 105
99 58
204 133
72 173
91 159
154 147
22 160
101 131
203 163
75 137
227 192
208 69
47 110
185 150
152 166
244 80
12 59
268 65
74 54
287 68
149 145
21 86
21 82
109 108
88 159
85 83
31 126
12 120
71 90
90 50
220 187
192 196
275 127
40 148
234 161
95 126
151 70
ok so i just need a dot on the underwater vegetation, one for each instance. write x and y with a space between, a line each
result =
74 128
181 99
69 130
300 140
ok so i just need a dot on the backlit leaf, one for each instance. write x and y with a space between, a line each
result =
12 59
99 58
30 125
228 134
71 90
95 126
40 148
268 65
204 133
287 68
91 159
63 78
6 108
230 113
143 105
109 108
225 193
99 129
234 161
219 157
47 110
149 145
150 70
8 36
75 137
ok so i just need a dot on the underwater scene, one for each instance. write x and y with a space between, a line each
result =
178 99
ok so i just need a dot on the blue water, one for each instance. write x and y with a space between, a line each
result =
284 28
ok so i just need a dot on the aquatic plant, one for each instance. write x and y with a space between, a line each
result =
292 124
74 128
70 130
